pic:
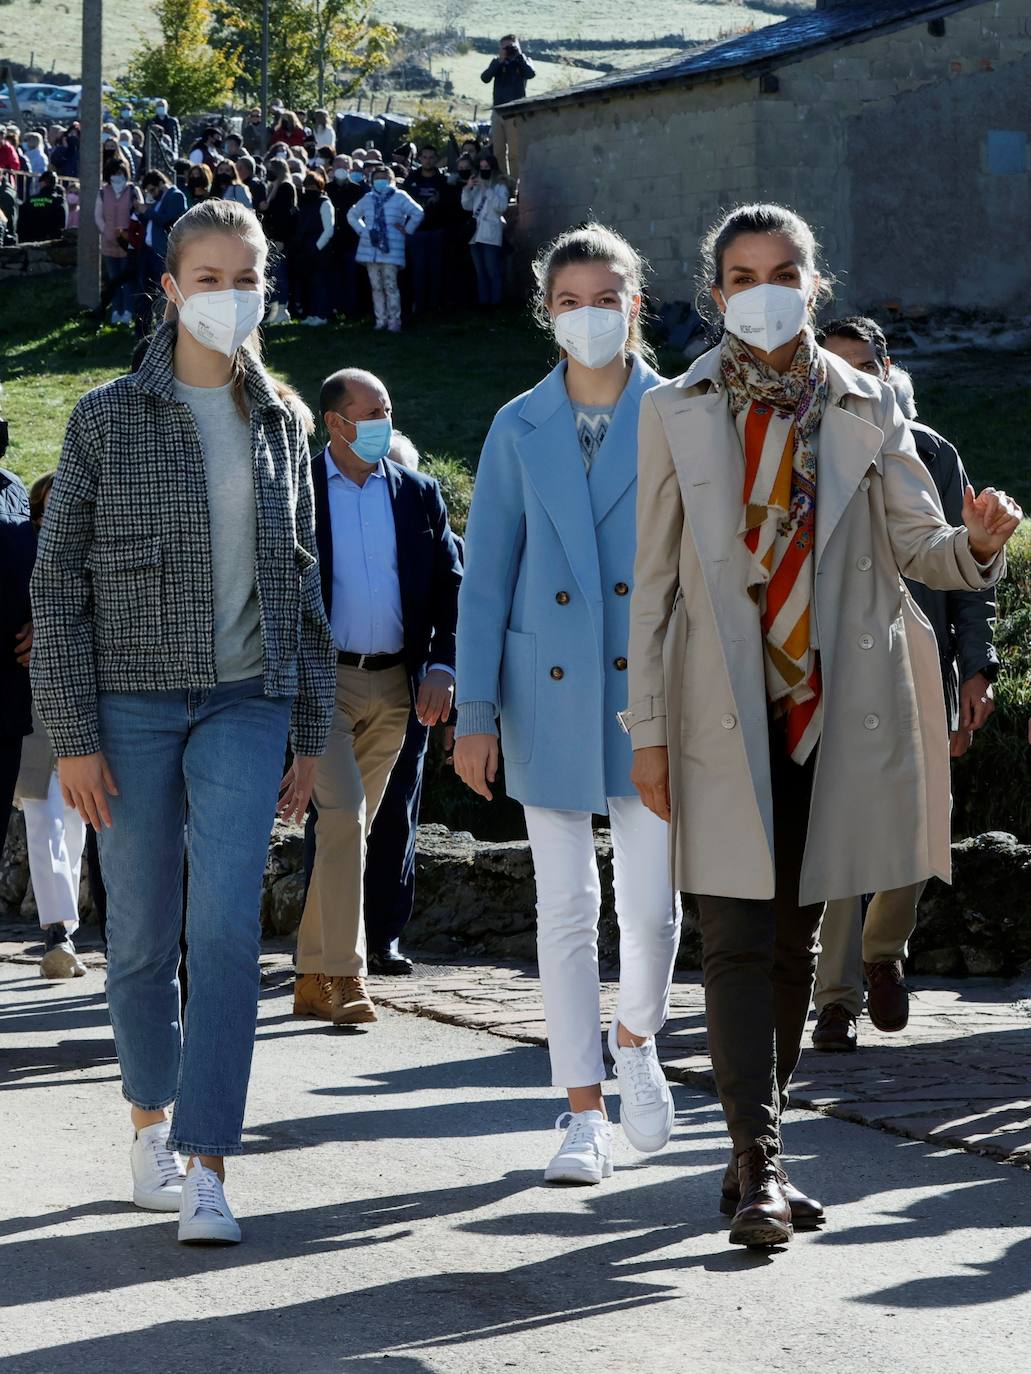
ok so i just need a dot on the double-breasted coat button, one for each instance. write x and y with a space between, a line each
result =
558 673
728 722
620 663
864 564
562 598
871 721
864 485
622 589
866 641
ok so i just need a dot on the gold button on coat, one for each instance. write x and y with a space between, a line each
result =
562 598
622 589
558 673
620 663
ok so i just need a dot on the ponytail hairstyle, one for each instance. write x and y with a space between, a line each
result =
230 217
593 242
764 218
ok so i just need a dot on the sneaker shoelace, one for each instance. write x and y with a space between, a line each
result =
579 1131
164 1160
207 1188
640 1063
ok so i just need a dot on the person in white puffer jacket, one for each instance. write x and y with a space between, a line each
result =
486 198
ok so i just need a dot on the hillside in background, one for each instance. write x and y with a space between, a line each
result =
46 33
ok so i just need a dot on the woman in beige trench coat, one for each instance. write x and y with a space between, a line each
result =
786 707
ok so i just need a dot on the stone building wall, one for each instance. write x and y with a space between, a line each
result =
907 152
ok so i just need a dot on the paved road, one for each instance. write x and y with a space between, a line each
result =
393 1210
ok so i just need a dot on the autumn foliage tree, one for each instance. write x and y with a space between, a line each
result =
316 47
183 67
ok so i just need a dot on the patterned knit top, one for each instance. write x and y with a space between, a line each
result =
592 424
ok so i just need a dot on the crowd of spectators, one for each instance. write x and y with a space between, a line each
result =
354 230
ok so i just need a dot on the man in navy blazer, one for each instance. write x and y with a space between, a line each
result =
390 572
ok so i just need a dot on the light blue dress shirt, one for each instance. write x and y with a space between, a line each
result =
367 617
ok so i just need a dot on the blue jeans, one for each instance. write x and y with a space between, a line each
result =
210 760
489 277
119 272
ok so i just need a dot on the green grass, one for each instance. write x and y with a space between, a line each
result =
446 377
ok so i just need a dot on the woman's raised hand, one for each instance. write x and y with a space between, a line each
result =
650 775
476 762
991 520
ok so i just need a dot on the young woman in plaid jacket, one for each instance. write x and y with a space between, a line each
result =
179 637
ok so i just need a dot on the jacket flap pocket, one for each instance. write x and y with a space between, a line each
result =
133 553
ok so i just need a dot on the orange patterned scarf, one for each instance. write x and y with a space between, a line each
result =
778 419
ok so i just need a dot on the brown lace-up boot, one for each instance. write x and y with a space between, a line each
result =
806 1212
354 1007
316 995
763 1216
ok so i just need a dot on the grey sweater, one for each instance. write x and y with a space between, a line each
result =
225 437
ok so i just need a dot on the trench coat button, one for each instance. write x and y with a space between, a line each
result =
728 722
864 564
864 485
562 598
622 589
866 641
619 663
558 673
871 721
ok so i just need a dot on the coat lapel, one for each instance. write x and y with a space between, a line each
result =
403 530
849 446
551 457
615 465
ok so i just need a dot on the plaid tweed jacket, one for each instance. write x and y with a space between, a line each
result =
122 596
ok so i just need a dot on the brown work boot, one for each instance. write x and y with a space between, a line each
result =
835 1029
355 1006
806 1212
316 995
763 1216
887 997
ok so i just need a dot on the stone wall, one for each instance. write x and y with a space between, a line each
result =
477 897
37 259
882 144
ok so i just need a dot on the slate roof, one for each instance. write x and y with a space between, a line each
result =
751 53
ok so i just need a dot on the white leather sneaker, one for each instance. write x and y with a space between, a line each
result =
157 1171
204 1215
645 1102
585 1155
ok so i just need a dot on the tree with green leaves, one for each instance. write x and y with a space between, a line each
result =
318 49
183 67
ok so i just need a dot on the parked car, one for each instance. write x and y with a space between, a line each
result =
42 101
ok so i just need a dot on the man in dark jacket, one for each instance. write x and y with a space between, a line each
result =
167 127
963 623
510 72
43 216
428 185
390 574
17 555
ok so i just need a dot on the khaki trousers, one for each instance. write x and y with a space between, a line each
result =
848 941
369 726
504 148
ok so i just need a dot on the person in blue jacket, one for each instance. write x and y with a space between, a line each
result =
542 642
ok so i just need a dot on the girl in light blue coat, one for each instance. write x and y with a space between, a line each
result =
542 643
382 220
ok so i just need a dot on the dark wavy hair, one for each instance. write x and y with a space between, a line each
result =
761 218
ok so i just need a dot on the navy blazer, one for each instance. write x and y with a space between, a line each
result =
429 566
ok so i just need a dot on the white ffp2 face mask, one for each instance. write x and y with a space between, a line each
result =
767 316
592 335
221 320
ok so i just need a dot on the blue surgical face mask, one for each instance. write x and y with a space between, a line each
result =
380 184
357 177
372 440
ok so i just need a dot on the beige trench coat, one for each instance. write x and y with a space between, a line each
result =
881 796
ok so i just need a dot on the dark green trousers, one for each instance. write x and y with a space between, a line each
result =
759 965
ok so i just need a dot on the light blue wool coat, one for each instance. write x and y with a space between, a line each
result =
544 609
